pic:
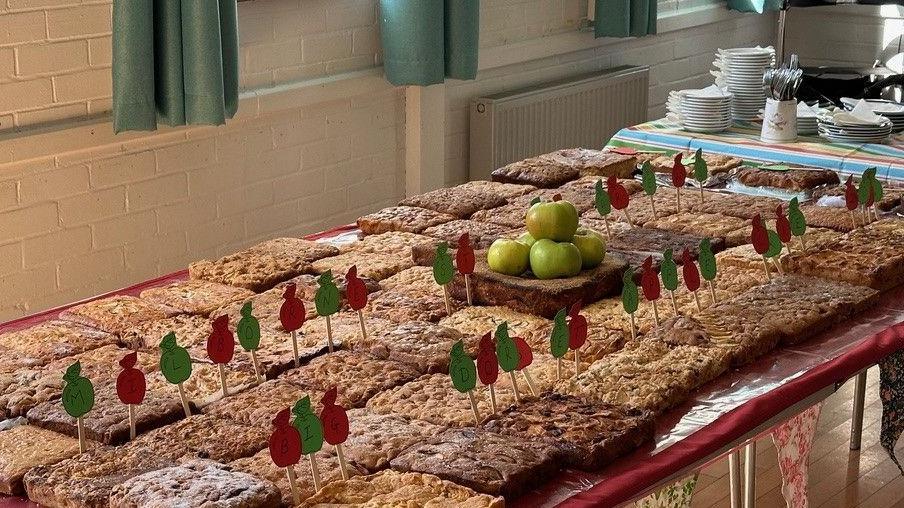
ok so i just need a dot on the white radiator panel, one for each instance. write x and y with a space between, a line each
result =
584 110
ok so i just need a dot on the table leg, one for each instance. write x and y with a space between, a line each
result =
734 477
750 475
857 414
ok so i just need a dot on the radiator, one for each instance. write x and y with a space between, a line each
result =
584 110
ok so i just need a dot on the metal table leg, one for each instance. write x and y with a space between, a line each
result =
734 477
750 475
857 414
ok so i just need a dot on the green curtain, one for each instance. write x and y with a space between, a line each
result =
758 6
625 18
426 41
174 62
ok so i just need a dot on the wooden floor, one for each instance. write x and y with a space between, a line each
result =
839 477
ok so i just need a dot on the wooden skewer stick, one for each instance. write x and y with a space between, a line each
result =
558 369
131 421
606 222
468 289
530 382
633 328
515 387
222 370
329 333
701 192
290 474
674 305
361 322
184 399
343 469
653 205
447 300
492 399
257 367
315 473
295 347
81 434
803 242
766 267
678 198
778 265
697 301
656 313
712 290
577 362
474 407
628 217
853 219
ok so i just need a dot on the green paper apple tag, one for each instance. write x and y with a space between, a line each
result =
707 260
507 351
630 297
443 270
308 425
602 201
701 169
796 217
535 201
669 271
175 363
648 179
326 300
776 167
78 392
558 339
462 368
248 329
775 244
877 190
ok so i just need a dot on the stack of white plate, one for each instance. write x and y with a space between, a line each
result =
807 124
704 110
894 111
741 72
838 130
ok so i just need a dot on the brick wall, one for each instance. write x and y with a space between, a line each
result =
856 34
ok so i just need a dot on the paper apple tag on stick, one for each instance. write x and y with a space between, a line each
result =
508 355
577 334
488 366
78 398
691 275
630 298
668 269
221 348
525 358
623 150
285 448
249 332
311 431
878 193
679 176
464 375
798 222
759 237
443 272
776 167
603 204
783 227
648 180
464 261
175 364
356 293
292 316
775 248
131 387
558 340
708 266
335 426
619 196
851 199
701 170
649 282
326 301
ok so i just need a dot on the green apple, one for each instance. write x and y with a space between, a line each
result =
553 220
509 257
552 260
526 239
592 247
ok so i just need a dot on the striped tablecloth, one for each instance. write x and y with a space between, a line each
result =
743 141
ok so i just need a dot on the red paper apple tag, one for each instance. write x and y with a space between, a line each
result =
130 384
783 225
525 355
487 362
689 271
623 150
464 255
577 327
285 442
221 343
291 314
679 172
356 291
649 280
759 237
851 201
617 193
334 418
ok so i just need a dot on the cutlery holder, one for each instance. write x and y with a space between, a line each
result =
779 121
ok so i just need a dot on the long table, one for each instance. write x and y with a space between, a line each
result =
743 141
722 414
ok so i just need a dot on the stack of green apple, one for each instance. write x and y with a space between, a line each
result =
553 247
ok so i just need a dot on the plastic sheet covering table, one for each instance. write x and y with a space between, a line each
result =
721 415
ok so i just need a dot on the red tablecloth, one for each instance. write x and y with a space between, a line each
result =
719 414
